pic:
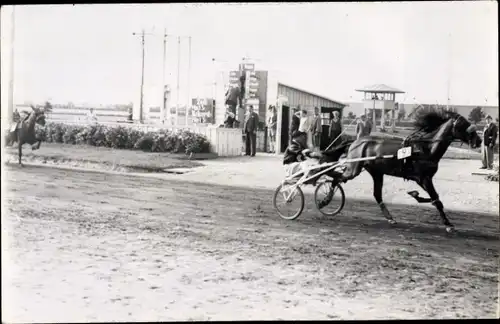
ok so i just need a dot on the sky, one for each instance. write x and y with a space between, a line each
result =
88 53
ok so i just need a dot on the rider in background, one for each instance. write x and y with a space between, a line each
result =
234 97
16 117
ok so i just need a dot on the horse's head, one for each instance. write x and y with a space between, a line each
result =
465 131
450 124
39 115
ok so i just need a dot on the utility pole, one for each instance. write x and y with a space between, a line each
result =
141 104
163 99
10 108
189 82
178 79
448 83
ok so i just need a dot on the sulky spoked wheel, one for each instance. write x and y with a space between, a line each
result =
329 197
288 201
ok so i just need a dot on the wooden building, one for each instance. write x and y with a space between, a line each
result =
267 90
285 97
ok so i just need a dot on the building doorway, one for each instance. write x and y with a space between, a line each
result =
285 126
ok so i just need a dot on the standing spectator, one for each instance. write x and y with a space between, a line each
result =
234 97
250 128
91 116
363 128
229 118
489 141
305 124
316 129
335 128
294 125
271 128
129 116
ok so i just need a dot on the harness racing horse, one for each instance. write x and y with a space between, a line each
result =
436 130
23 132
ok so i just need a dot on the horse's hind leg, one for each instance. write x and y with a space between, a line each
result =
20 152
378 183
36 146
353 169
428 186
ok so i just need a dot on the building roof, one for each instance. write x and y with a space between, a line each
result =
313 94
380 88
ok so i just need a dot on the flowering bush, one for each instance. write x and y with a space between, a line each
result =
121 137
69 136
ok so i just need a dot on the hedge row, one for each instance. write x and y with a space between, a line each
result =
120 137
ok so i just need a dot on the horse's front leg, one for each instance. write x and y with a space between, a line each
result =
428 186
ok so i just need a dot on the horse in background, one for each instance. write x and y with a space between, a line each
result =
436 129
23 131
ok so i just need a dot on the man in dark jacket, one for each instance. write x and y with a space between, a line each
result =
295 124
335 128
250 128
234 97
294 159
489 141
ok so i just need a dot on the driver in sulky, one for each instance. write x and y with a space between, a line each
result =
294 159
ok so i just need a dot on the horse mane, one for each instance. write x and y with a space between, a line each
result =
430 119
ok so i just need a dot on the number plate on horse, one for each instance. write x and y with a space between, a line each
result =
404 152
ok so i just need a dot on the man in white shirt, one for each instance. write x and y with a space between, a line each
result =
91 116
305 126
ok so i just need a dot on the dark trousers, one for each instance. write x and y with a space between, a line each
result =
316 138
250 143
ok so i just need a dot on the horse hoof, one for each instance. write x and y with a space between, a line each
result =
392 222
450 229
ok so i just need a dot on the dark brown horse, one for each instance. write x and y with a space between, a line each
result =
436 130
23 132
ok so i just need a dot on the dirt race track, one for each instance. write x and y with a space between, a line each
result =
100 247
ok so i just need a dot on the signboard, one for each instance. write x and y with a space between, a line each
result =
202 110
404 152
